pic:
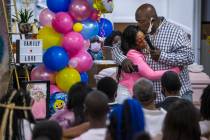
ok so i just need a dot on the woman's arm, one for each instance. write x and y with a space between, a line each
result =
144 69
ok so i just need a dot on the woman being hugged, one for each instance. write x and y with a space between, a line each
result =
135 48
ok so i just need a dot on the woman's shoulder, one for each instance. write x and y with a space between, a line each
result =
134 53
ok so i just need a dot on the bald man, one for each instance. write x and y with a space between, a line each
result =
172 48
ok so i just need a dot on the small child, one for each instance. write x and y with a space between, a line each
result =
96 108
109 86
95 49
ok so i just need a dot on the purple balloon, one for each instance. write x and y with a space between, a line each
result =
41 73
62 22
46 17
80 10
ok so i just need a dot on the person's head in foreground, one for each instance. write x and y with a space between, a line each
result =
126 121
181 122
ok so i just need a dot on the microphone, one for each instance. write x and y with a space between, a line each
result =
149 42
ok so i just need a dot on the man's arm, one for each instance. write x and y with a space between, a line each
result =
121 59
182 53
117 54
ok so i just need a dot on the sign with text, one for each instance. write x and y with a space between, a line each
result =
29 51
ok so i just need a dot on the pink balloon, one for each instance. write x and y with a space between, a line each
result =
46 17
80 9
53 89
73 43
82 61
62 22
41 73
86 44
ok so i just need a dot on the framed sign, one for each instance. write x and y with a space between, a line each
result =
29 51
39 92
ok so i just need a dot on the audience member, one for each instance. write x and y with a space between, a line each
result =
181 122
113 39
126 121
73 113
143 136
96 108
16 119
171 86
50 130
205 112
143 91
95 48
108 86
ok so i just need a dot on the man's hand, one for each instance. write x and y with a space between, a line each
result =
127 66
155 54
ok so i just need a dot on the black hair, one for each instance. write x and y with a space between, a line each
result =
76 97
170 81
205 103
143 136
47 129
109 86
181 122
96 105
129 38
20 98
109 40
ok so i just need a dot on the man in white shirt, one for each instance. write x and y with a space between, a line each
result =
96 108
154 117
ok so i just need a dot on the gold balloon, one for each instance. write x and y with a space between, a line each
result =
49 37
66 78
105 6
77 27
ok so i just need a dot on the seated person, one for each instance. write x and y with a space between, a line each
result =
50 130
108 86
16 119
126 120
95 48
73 114
96 109
171 87
205 112
154 117
135 48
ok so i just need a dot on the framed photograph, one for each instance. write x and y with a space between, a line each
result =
40 94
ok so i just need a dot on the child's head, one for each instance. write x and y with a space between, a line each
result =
76 98
205 103
143 91
170 83
181 122
126 120
109 86
47 129
132 38
96 105
114 38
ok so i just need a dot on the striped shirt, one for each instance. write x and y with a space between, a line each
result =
176 50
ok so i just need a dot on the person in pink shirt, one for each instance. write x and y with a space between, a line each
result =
135 47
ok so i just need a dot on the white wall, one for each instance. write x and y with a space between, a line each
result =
124 10
181 13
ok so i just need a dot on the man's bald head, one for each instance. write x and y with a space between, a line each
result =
145 11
